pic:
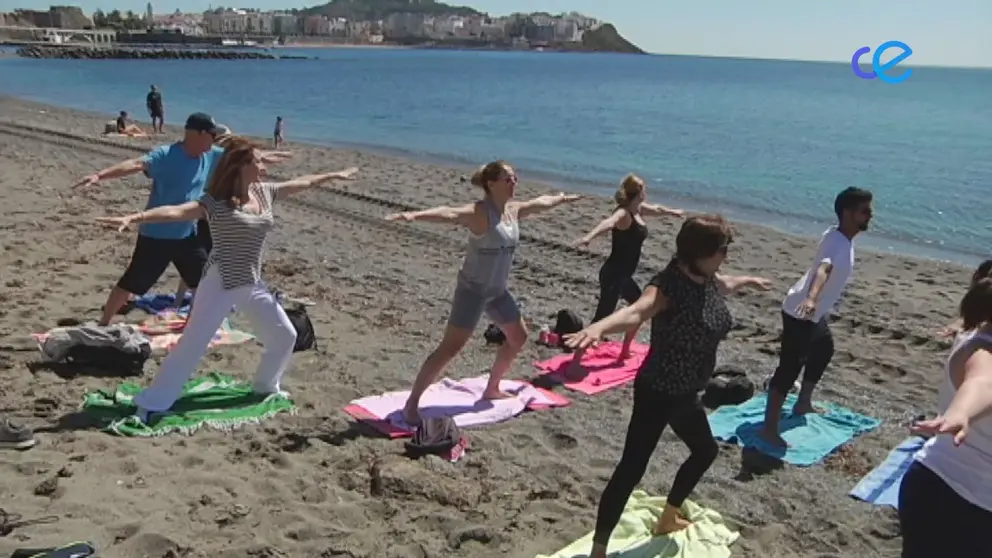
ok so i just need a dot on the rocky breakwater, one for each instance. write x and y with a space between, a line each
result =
115 53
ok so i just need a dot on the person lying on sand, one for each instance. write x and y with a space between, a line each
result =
807 345
984 270
239 209
493 224
946 488
616 278
689 318
126 128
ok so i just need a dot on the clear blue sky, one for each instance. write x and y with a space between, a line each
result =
944 33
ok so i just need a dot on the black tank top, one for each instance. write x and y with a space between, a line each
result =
625 250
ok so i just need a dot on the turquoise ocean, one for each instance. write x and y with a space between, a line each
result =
767 142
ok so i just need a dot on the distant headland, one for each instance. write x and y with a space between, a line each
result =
410 23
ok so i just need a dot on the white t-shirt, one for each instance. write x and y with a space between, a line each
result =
837 250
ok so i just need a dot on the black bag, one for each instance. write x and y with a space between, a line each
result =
305 337
109 358
728 386
566 322
435 435
494 335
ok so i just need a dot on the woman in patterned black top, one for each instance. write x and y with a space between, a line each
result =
689 318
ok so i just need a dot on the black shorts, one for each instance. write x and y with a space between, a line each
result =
153 255
159 113
203 235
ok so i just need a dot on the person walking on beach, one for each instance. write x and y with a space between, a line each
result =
494 228
689 318
155 109
239 209
947 489
807 345
179 172
277 135
628 232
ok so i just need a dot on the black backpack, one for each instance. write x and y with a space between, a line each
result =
728 386
305 337
566 322
435 435
494 335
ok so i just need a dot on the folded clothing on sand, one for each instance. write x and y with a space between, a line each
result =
605 371
215 400
811 437
881 485
458 399
154 303
165 329
707 537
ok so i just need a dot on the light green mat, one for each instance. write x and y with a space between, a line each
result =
215 400
707 537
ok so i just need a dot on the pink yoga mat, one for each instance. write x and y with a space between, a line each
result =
601 363
459 399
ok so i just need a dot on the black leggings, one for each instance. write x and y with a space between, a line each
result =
936 521
652 412
614 285
804 344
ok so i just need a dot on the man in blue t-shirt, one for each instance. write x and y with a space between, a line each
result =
180 173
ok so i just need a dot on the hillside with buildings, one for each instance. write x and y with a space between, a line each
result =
422 23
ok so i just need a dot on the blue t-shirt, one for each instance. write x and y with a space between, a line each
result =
177 178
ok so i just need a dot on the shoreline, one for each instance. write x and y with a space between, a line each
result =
806 228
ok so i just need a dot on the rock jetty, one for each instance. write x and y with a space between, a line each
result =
116 53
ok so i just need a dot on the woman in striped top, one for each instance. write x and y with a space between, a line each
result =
239 210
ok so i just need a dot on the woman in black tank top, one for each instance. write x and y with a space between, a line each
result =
616 277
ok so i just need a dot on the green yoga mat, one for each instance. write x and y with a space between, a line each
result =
214 400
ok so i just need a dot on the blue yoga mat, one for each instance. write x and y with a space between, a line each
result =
811 437
881 485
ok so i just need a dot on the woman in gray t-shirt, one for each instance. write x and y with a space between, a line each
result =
239 210
481 288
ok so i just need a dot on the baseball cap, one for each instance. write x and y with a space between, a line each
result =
200 122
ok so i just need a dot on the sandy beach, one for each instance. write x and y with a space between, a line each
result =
299 486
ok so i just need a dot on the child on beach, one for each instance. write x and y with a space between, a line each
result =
493 224
239 209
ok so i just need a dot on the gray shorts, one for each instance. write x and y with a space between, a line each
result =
467 308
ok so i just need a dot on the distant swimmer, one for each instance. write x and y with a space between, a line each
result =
126 128
239 208
628 231
807 344
277 135
481 287
156 109
689 319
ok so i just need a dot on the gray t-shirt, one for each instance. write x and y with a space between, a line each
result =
489 256
239 237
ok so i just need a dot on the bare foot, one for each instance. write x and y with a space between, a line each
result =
575 371
773 438
669 523
804 408
412 415
497 394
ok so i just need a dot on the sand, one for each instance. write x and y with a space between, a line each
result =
299 486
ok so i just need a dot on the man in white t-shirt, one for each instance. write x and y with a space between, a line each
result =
807 345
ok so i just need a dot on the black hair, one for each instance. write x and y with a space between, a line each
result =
850 198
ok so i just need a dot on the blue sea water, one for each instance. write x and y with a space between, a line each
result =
770 142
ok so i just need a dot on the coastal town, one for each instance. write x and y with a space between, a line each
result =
427 23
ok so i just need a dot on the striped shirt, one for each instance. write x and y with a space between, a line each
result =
239 237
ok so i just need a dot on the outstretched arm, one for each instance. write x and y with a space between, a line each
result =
290 187
729 284
470 216
660 210
603 226
972 399
543 203
189 211
120 170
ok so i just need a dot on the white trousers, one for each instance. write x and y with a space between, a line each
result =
211 305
